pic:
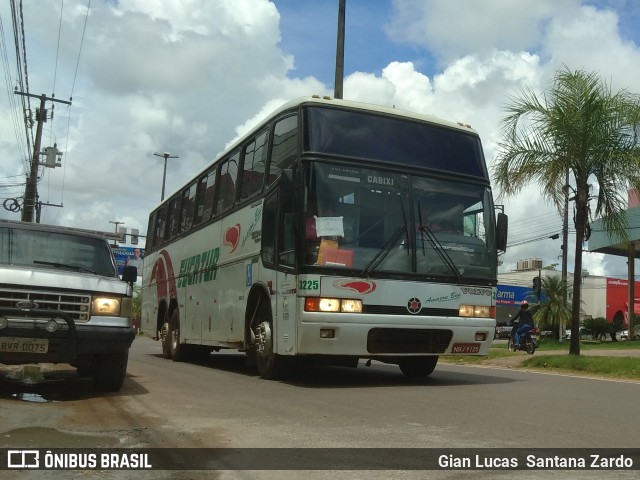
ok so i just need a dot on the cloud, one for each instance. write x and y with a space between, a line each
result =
457 27
181 77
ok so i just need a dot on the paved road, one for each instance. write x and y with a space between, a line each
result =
220 403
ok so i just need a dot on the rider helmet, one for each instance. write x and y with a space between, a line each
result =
524 304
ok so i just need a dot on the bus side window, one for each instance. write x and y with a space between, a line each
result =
188 205
285 147
269 226
172 219
161 222
253 166
227 184
151 237
204 197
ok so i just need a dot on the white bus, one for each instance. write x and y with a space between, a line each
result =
334 231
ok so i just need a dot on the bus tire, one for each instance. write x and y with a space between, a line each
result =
165 336
270 365
176 349
417 367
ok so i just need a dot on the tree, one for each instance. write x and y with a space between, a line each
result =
553 312
578 126
136 302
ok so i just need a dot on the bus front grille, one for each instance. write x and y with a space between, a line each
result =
405 340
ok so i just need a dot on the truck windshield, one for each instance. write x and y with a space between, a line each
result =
372 220
55 250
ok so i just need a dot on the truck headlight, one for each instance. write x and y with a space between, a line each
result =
109 306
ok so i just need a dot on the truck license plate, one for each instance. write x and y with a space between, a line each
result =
24 345
465 348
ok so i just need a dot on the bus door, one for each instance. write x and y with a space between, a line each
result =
278 257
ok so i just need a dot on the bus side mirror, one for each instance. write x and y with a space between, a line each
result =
130 274
502 226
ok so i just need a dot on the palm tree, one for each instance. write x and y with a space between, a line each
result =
578 126
554 311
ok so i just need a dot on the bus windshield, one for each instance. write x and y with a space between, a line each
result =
372 220
358 134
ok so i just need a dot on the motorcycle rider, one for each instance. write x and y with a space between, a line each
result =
524 322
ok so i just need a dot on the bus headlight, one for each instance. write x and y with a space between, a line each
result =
476 311
351 306
106 306
331 305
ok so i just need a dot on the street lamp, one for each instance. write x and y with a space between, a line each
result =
164 174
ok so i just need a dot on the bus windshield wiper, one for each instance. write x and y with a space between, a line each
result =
439 249
375 261
78 268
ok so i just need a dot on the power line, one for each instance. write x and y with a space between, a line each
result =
84 29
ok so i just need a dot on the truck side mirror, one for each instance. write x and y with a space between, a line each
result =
130 274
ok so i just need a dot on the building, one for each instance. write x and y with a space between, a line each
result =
601 296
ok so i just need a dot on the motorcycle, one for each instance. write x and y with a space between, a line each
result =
528 342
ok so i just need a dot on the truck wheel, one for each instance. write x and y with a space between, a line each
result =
177 350
417 367
110 370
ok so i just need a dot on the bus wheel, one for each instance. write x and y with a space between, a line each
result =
165 336
416 367
176 349
269 364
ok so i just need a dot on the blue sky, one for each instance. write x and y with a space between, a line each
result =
309 32
189 76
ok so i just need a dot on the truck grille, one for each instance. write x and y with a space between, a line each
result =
78 305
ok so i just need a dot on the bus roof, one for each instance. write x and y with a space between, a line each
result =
326 100
362 106
373 108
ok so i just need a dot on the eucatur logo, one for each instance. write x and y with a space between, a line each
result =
360 286
232 237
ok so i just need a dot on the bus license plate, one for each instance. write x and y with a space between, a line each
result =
24 345
465 348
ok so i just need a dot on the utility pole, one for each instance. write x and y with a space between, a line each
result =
565 246
164 174
340 50
31 189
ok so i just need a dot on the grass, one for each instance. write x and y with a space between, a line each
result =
610 367
602 365
550 344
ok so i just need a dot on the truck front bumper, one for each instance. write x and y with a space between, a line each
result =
25 337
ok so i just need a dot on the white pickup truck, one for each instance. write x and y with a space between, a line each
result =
61 301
